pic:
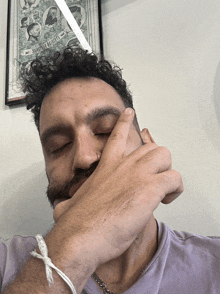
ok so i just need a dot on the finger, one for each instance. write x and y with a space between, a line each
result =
170 197
142 151
155 159
158 160
116 144
171 185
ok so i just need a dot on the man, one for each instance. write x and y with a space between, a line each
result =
34 31
51 16
106 177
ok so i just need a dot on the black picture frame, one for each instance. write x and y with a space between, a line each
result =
55 33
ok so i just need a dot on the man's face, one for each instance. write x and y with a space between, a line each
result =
53 13
76 119
35 31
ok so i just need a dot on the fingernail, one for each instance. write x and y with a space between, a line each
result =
128 111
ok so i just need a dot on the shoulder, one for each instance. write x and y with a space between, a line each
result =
193 246
191 260
16 249
17 243
210 244
14 253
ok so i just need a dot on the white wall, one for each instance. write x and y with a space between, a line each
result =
170 52
23 205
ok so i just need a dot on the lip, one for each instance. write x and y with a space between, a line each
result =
76 187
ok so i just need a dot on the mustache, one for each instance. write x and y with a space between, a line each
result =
62 192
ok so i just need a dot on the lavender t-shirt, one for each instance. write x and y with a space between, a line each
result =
183 264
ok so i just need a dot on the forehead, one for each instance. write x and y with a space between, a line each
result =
72 99
36 26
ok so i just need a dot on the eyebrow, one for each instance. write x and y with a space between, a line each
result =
93 115
52 131
100 112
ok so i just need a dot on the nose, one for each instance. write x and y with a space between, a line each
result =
86 152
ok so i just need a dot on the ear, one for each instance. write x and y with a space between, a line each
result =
146 136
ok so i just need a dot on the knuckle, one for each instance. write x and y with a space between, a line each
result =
178 176
165 153
175 175
165 150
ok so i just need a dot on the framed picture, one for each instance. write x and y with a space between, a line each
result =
37 25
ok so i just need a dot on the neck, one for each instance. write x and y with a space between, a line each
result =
121 273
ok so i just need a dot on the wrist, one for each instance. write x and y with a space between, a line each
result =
72 255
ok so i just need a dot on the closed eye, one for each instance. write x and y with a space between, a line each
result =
103 134
60 149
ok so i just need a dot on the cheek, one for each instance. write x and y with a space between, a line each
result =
59 172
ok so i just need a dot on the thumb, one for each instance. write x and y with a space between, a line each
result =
117 142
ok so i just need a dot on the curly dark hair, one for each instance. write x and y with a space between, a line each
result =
47 71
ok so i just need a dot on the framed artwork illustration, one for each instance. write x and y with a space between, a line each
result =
38 25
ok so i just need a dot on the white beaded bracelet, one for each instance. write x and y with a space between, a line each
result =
48 263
